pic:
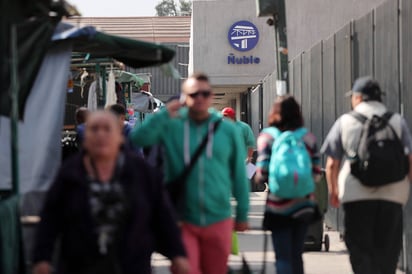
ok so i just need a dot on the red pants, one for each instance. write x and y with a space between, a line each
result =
208 247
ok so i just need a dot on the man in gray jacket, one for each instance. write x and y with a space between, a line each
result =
373 214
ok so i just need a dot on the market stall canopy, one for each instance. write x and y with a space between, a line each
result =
37 22
128 77
133 53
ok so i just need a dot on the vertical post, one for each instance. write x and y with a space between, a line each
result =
249 107
129 92
281 46
104 86
14 117
98 87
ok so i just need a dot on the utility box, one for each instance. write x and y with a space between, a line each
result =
266 7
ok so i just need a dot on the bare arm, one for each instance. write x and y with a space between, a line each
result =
332 171
264 151
407 142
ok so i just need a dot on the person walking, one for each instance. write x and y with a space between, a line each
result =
81 117
108 209
120 112
373 203
219 172
246 131
288 213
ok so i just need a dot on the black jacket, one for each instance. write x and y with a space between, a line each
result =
66 215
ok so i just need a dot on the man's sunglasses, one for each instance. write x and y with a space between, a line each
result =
203 93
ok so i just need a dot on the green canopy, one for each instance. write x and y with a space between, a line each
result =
133 53
127 77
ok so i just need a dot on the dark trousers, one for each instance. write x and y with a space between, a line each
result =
373 235
288 242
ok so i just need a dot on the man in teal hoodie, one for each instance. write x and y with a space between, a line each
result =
218 174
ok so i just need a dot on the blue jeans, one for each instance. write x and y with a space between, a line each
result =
288 241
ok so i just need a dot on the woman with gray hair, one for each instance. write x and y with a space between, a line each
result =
108 209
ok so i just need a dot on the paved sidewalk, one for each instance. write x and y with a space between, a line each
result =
336 261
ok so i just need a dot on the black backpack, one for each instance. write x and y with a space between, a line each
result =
380 157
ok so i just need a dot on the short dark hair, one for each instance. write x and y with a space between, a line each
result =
200 76
368 88
117 109
172 98
290 112
81 115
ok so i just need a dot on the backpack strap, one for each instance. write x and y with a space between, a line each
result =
362 118
387 116
297 134
276 133
358 116
273 131
300 132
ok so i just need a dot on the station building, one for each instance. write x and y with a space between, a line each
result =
224 39
236 49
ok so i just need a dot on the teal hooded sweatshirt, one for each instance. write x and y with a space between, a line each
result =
219 172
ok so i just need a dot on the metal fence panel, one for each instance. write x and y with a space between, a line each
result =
254 107
316 90
363 46
328 79
367 46
343 80
343 73
297 78
343 70
387 52
269 96
267 90
329 111
306 95
406 61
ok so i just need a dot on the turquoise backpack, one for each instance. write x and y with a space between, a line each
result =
290 167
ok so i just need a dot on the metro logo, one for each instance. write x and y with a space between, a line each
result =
243 36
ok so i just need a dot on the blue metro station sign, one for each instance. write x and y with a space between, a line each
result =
243 36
